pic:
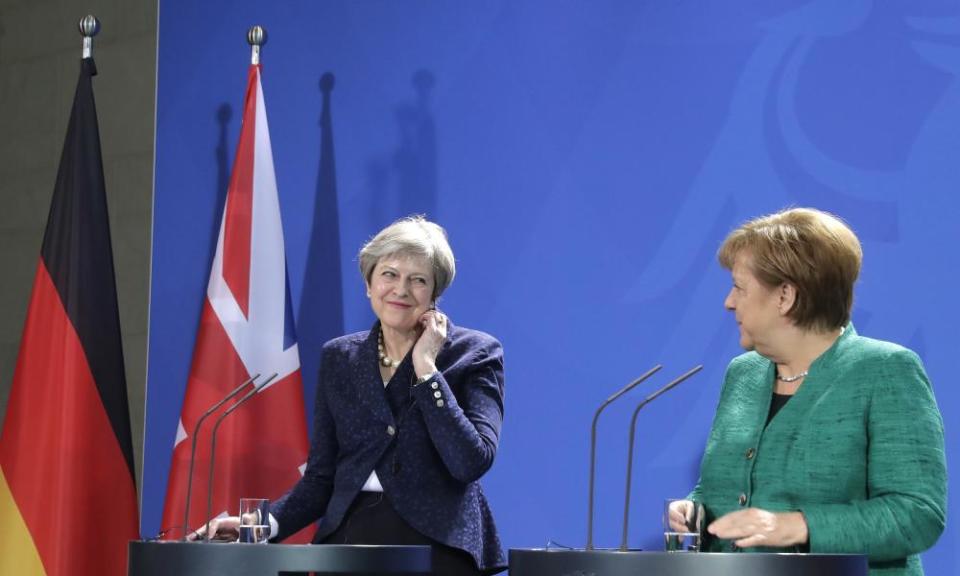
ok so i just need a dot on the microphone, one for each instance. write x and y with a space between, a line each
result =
593 444
213 443
193 449
633 428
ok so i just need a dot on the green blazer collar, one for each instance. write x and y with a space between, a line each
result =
819 379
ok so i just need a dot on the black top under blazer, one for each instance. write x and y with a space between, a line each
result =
429 443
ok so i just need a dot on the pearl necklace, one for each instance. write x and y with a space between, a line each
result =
789 379
385 360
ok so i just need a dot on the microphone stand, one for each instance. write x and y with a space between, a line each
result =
633 428
193 450
213 443
593 444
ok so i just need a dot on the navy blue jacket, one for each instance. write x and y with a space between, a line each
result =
429 448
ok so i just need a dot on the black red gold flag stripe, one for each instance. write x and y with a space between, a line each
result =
67 484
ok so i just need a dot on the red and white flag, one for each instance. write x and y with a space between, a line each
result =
246 328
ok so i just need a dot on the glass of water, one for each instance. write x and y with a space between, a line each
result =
254 520
682 525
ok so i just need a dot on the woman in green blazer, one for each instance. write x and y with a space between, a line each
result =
823 441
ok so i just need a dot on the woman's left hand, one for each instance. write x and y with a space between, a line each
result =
434 325
756 527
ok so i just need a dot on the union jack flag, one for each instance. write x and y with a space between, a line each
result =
246 328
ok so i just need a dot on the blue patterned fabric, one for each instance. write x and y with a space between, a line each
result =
429 443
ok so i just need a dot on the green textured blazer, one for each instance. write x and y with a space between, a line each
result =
858 450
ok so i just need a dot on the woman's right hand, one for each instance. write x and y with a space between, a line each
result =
681 513
223 528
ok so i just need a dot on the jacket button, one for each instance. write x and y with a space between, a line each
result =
440 403
437 394
391 430
743 499
434 385
750 453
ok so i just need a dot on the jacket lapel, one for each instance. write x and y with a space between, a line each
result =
820 379
763 387
370 387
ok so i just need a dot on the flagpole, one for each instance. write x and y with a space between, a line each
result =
89 27
256 37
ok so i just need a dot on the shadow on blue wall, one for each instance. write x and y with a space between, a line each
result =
406 182
320 317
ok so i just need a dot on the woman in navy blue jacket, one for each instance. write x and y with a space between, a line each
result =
407 418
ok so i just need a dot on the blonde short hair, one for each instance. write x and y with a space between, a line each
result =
412 236
814 251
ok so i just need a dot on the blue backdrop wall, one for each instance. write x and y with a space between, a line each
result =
586 158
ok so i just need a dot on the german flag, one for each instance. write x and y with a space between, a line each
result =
68 499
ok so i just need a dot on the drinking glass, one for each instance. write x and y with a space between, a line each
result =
254 520
682 525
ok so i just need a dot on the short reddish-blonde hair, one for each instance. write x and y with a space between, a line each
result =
814 251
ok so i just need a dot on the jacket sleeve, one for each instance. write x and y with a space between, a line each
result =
307 501
465 430
905 509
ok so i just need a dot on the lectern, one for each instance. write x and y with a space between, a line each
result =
540 562
215 559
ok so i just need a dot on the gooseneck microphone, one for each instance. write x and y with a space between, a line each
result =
593 444
193 449
213 444
633 428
